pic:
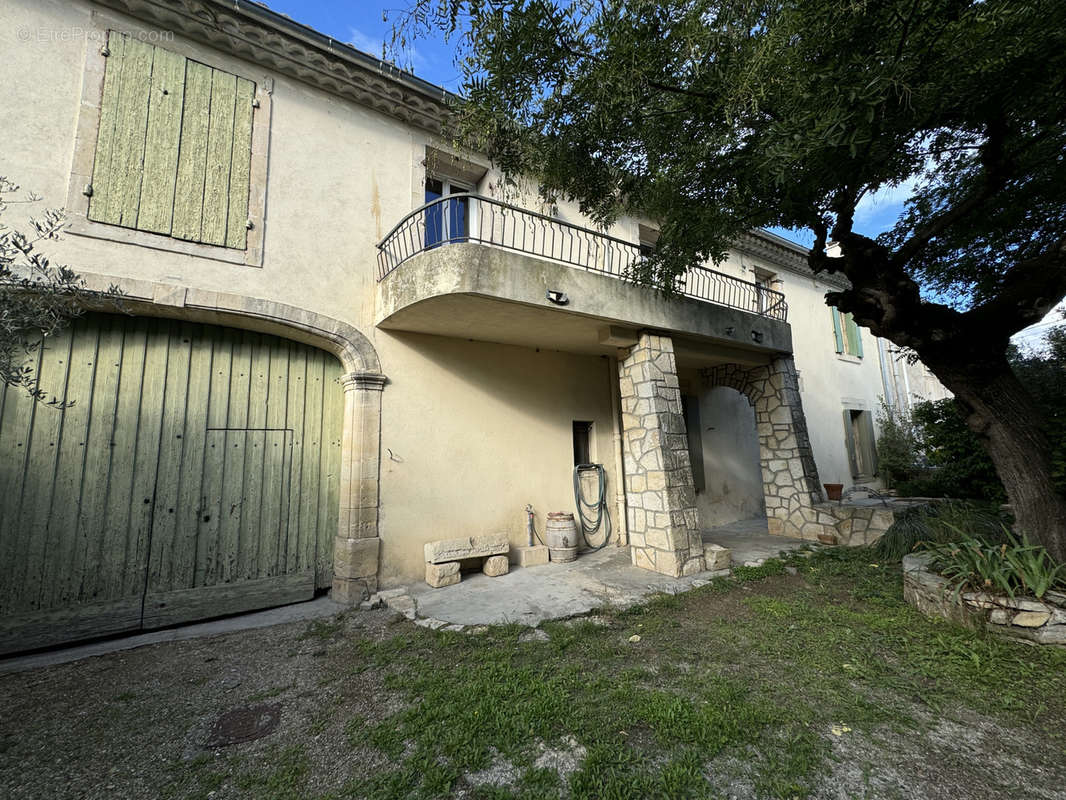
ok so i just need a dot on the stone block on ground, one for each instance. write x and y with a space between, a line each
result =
495 566
444 550
529 556
404 604
350 591
440 575
717 557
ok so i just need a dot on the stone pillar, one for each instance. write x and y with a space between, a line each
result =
790 477
664 533
356 547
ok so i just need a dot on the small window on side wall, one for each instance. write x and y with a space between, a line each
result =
846 333
582 442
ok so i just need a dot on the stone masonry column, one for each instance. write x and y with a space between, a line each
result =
664 533
356 547
789 474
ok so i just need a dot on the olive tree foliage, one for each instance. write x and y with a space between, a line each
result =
38 299
717 116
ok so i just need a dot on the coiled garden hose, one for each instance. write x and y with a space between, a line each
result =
596 514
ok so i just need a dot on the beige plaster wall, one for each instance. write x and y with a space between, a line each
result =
338 175
476 431
732 474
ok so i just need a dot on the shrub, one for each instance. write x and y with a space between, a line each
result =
1011 567
38 299
961 466
940 522
897 446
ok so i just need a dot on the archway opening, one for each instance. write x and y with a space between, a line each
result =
723 436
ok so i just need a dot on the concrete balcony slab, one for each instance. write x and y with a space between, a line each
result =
477 291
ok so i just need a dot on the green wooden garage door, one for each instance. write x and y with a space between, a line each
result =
195 475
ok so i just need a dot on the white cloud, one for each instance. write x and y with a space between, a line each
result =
880 210
364 42
408 58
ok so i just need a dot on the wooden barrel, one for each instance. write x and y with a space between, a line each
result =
561 536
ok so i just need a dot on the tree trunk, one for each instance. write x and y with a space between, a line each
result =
1010 425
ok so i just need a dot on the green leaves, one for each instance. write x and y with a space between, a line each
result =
37 298
1014 567
717 116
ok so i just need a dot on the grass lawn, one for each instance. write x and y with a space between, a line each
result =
802 678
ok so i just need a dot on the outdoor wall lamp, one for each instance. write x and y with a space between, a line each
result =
559 298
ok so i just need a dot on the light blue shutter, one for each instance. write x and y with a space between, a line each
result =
837 332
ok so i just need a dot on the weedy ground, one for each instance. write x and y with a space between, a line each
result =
806 677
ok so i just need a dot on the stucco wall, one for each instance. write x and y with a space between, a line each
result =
732 476
476 431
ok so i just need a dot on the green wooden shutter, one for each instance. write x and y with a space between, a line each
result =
240 169
837 332
869 441
161 142
119 161
189 196
849 440
173 153
854 339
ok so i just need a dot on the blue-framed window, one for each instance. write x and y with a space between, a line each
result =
448 221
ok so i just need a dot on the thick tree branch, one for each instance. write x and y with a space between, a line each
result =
1028 291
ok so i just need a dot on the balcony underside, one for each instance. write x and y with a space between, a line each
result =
475 291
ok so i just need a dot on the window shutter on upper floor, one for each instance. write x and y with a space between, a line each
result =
837 332
173 150
854 339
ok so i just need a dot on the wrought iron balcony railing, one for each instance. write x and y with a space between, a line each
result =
472 218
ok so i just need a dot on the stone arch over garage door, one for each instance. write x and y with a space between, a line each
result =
355 509
357 546
790 477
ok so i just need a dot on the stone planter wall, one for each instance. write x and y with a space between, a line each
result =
1025 618
854 525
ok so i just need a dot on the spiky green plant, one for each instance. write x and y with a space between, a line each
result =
1007 568
941 522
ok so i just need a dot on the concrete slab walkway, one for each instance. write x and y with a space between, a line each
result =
527 596
605 577
750 541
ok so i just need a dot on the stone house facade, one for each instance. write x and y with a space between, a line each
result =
340 339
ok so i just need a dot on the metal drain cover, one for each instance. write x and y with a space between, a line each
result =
244 724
